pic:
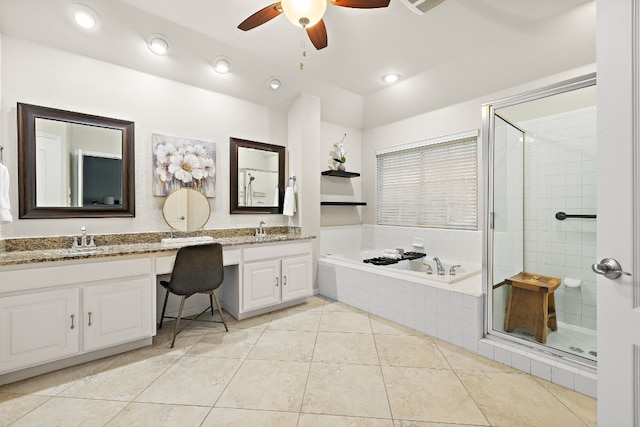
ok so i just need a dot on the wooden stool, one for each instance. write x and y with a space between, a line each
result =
532 304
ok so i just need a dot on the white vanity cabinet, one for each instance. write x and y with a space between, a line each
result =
51 312
116 312
38 327
276 274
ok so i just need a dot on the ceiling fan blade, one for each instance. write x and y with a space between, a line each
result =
261 16
318 35
361 4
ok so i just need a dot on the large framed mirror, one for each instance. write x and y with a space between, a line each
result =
257 177
74 165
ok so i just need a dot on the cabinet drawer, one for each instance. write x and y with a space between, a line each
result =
36 277
276 251
164 264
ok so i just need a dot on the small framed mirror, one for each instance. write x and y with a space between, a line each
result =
74 165
186 210
257 177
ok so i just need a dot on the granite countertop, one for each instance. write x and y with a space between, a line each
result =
16 257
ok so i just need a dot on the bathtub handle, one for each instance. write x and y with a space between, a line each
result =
452 270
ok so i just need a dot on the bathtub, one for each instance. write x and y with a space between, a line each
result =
448 307
416 269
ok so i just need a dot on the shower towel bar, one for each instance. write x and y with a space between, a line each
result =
562 216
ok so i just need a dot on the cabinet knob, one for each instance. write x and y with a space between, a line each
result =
276 281
284 280
72 325
89 319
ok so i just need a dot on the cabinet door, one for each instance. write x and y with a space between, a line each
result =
39 327
296 277
261 284
117 312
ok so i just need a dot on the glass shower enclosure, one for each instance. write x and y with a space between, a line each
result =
540 166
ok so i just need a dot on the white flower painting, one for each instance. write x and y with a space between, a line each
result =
181 162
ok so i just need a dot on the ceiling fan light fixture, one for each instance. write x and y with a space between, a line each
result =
85 17
274 83
221 65
158 44
304 13
391 78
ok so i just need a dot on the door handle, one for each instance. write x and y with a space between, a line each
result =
609 268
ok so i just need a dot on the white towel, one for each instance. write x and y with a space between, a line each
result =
289 202
5 213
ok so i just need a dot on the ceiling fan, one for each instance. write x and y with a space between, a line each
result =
307 14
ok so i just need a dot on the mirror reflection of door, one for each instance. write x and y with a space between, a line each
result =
50 177
186 210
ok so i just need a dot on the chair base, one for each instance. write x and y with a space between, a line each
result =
212 297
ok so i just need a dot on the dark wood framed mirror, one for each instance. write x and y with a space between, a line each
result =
74 165
257 177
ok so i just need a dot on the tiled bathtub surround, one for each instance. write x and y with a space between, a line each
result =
452 316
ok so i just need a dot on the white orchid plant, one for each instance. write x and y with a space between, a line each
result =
338 154
183 162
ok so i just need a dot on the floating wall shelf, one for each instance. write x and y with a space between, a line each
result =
343 203
341 174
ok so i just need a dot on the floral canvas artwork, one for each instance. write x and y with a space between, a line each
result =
182 162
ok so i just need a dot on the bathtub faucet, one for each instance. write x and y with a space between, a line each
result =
441 271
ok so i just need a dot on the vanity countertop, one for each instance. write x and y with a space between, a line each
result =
65 254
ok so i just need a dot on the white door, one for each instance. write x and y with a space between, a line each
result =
37 328
51 171
618 57
296 277
261 284
116 313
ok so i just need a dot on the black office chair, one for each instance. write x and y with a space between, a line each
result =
197 270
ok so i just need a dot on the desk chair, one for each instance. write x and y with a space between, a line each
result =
198 269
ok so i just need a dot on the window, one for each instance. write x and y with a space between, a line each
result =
432 183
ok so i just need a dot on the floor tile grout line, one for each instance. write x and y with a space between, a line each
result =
384 383
306 383
539 381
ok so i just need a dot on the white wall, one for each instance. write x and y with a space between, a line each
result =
337 189
36 74
453 119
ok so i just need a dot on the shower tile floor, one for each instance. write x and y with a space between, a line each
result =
568 338
322 363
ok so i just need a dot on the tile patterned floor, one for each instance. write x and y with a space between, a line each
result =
318 364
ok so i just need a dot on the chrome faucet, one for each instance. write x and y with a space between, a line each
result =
441 271
452 270
83 240
260 231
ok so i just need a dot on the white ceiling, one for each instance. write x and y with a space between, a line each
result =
459 50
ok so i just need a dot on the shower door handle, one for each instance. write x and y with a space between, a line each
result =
609 268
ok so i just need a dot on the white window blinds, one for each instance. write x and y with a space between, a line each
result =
432 183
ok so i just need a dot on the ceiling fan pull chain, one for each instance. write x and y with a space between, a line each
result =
304 49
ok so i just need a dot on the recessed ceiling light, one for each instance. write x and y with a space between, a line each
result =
391 78
158 44
274 83
221 65
84 16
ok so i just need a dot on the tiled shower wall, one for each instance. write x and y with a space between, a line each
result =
560 176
